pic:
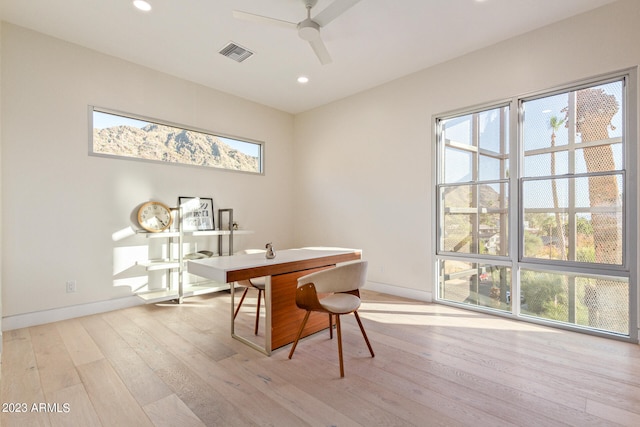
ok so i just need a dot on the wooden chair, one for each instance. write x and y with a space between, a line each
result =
253 283
342 283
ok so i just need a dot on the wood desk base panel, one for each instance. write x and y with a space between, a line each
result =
285 314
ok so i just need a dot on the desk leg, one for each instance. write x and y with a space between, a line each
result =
232 287
266 349
268 327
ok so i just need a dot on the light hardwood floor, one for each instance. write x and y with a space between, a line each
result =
176 365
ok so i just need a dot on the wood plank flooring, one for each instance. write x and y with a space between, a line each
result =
177 365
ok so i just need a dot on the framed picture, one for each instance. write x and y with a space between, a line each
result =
197 213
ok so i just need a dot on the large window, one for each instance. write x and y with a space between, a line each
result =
473 208
540 230
128 136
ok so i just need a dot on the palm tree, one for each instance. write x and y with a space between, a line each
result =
594 111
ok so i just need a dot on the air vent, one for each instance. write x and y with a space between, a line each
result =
235 52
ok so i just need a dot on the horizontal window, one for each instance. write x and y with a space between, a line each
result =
128 136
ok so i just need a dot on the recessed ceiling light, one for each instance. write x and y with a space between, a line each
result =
303 79
142 5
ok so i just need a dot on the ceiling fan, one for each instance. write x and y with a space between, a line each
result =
308 29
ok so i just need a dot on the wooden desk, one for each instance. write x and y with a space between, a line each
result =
283 317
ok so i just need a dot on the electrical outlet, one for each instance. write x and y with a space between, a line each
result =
71 286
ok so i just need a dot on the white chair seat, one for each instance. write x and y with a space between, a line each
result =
340 303
258 282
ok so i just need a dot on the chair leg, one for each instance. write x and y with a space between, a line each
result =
364 334
244 294
258 311
339 345
295 343
330 326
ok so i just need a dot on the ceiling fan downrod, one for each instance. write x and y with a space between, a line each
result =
308 29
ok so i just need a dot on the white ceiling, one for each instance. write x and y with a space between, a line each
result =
373 42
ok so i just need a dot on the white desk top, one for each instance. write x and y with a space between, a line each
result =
225 269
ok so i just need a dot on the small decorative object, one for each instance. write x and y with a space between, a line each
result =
197 213
270 254
154 216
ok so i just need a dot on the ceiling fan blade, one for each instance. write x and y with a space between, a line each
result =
321 51
246 16
335 9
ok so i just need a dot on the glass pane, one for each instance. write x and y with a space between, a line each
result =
602 158
595 302
604 220
546 227
458 215
599 112
474 219
476 284
544 123
493 221
597 219
494 130
489 169
546 194
600 192
457 129
547 164
545 236
585 249
457 165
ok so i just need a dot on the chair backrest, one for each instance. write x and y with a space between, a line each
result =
347 277
252 251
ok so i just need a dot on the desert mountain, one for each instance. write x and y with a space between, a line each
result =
173 145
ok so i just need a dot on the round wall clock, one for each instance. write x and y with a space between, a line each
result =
154 217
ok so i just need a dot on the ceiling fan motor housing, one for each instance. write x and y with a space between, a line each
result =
308 30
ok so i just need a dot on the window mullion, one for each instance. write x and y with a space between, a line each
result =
475 197
571 124
572 227
516 219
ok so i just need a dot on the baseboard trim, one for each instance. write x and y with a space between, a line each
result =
53 315
398 291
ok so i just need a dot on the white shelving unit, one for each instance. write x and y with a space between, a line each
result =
177 286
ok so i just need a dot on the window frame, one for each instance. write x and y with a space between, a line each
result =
622 269
628 269
439 179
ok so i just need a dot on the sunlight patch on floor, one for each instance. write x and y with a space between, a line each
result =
407 313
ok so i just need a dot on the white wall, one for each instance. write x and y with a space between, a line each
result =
60 205
364 164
